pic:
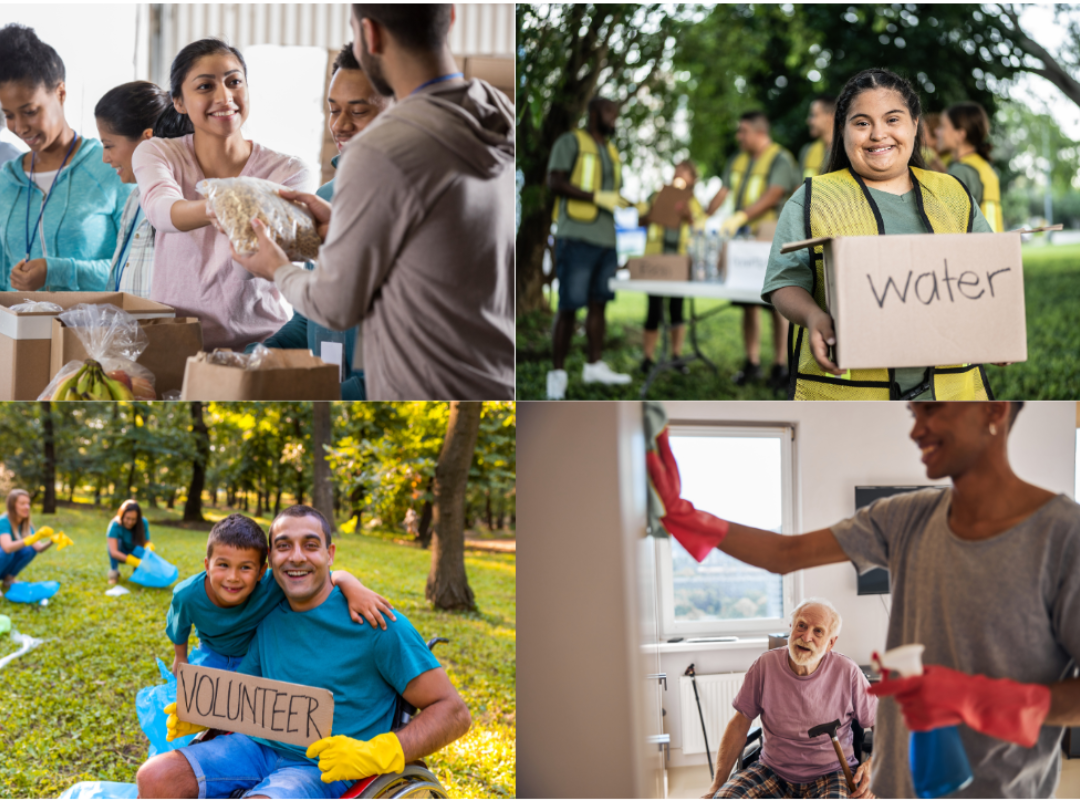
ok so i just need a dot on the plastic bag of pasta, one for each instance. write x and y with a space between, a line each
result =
236 200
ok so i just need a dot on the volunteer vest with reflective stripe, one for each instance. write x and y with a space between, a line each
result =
839 204
750 178
588 174
991 196
654 236
814 159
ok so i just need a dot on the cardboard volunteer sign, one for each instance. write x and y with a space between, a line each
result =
260 707
666 267
925 299
669 204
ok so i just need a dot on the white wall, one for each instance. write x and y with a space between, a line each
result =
841 445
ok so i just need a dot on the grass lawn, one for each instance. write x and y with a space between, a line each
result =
69 705
1052 371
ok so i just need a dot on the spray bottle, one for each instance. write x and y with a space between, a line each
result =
939 764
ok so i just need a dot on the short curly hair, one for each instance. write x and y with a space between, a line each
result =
25 58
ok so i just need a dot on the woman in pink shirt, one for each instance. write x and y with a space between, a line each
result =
199 138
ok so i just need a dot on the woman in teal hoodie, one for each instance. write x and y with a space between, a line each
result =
60 205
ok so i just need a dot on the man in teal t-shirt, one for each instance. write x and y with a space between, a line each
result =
310 640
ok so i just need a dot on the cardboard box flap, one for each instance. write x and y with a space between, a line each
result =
1057 227
38 325
789 247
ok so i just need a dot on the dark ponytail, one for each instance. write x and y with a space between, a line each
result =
131 109
174 124
873 79
25 58
972 120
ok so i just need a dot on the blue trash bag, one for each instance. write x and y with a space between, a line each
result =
101 790
32 591
154 572
150 703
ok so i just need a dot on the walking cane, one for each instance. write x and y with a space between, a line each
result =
701 714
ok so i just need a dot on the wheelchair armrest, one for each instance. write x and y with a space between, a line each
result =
753 735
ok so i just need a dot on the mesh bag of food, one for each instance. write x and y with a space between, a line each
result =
236 200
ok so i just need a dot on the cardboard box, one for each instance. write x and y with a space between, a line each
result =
926 299
302 377
172 342
666 207
498 71
26 337
660 268
743 261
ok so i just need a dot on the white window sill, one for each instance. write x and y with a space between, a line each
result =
748 643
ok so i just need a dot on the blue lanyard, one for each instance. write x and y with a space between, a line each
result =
438 79
32 235
119 266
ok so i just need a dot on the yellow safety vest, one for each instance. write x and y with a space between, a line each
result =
814 159
990 204
654 236
846 209
587 174
750 178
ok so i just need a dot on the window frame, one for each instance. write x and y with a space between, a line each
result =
791 584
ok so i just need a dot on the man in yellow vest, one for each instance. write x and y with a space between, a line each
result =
585 173
814 157
762 176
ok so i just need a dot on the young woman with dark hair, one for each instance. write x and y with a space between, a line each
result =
60 207
199 137
965 130
127 538
876 184
125 118
18 545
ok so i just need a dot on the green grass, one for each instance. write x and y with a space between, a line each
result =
68 706
1052 371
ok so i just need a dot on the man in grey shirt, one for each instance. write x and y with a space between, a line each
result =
420 246
986 575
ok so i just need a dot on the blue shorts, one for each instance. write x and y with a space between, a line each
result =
114 564
236 761
583 271
230 663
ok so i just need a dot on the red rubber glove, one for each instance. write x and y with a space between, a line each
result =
997 707
697 531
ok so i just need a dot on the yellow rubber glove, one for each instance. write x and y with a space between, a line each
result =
133 561
343 757
41 534
149 546
610 200
61 540
732 224
177 727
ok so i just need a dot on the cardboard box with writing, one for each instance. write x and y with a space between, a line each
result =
299 375
743 261
172 342
660 267
925 299
26 337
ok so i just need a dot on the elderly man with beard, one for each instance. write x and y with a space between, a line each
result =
793 690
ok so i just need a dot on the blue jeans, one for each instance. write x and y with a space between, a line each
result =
583 270
230 663
114 564
12 564
226 764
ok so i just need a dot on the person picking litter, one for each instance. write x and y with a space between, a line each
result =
19 542
1000 666
127 539
226 603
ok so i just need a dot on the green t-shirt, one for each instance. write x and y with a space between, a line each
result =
969 176
5 528
125 538
365 667
900 215
226 631
600 231
783 173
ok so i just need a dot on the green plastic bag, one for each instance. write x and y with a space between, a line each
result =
5 624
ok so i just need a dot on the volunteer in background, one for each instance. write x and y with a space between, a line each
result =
585 173
199 137
815 155
760 176
18 545
353 104
659 239
935 159
876 184
127 539
965 131
125 118
420 246
60 206
985 574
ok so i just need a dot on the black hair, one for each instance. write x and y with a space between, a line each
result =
756 118
872 79
415 26
173 124
25 58
301 510
238 531
971 118
346 60
132 108
1014 411
138 535
826 101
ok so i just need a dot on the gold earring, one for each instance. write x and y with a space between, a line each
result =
993 430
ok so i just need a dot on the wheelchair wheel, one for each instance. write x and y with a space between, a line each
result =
415 782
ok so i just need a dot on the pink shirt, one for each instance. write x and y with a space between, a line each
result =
193 271
790 705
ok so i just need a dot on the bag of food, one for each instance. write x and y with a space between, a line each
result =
260 358
113 340
235 200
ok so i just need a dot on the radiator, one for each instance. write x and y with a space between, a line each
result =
716 693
